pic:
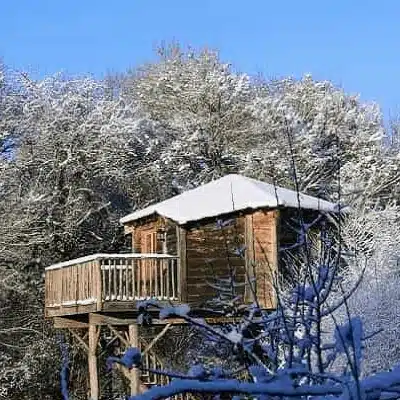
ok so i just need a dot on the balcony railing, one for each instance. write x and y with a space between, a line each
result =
97 279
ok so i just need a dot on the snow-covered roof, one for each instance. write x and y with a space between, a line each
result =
225 195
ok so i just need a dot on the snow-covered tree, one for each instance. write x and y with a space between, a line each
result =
74 163
205 109
70 176
216 121
327 133
372 237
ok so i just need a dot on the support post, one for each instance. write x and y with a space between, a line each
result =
275 258
182 263
135 373
251 285
92 361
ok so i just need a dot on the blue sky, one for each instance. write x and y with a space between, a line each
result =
352 43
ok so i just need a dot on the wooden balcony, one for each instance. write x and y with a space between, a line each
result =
110 282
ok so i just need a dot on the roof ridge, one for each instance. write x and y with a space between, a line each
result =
257 182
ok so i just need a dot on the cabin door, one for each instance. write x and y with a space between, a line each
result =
149 242
152 270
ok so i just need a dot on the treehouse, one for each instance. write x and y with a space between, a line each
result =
181 249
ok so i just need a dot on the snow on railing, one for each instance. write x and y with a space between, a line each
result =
100 256
93 280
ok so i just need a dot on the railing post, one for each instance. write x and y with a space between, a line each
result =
99 285
182 264
174 272
62 287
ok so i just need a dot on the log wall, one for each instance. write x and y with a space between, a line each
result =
262 258
144 231
206 253
210 255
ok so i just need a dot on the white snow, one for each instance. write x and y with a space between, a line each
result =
69 303
181 310
225 195
234 336
101 256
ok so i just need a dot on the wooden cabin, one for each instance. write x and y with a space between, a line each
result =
182 245
181 248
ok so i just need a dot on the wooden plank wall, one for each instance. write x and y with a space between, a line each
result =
209 252
138 235
264 253
171 238
139 230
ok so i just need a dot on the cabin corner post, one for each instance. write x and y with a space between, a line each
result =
135 373
251 285
182 264
275 257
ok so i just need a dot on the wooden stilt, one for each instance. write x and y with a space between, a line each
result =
135 373
92 360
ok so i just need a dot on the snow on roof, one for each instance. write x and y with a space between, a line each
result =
225 195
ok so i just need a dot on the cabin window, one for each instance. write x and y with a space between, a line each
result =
128 243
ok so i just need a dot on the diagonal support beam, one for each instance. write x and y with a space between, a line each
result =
107 344
118 335
79 339
156 339
124 370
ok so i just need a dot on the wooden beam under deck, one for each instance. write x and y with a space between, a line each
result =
52 312
114 320
135 372
69 323
131 305
82 321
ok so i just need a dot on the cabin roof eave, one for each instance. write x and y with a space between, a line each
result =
232 193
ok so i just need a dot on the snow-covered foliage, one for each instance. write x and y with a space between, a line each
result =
218 121
329 132
372 237
206 110
77 154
